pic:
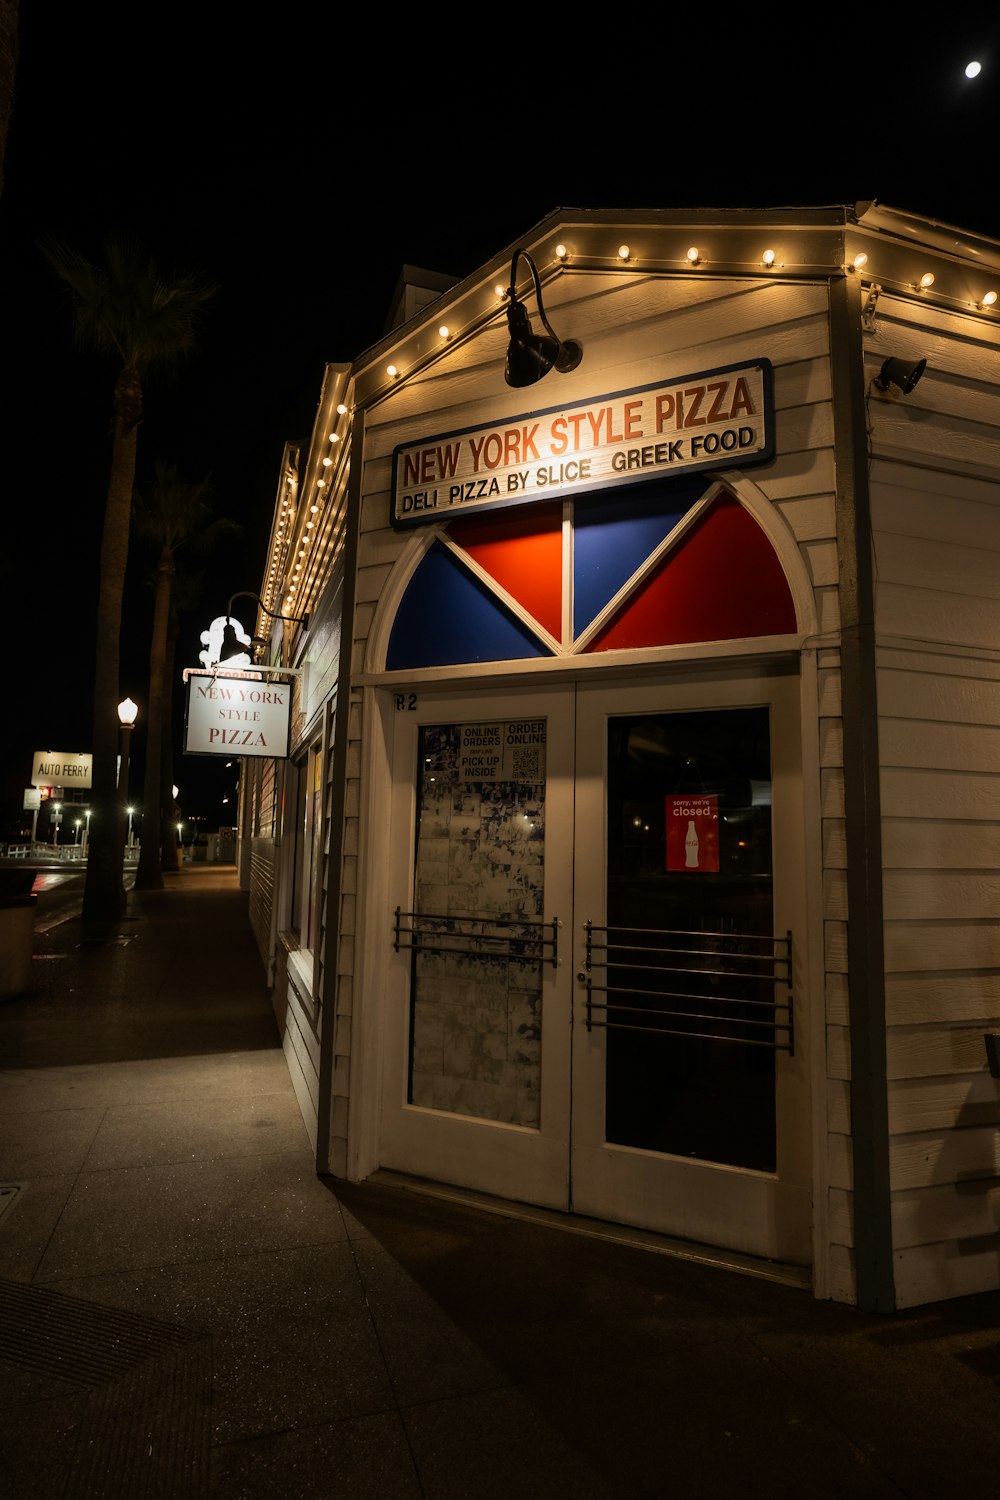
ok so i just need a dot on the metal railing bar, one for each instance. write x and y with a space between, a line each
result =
729 973
691 1015
425 916
519 942
743 937
505 956
707 1036
621 989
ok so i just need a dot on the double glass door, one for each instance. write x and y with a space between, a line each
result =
592 999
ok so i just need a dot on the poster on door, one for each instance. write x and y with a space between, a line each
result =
693 834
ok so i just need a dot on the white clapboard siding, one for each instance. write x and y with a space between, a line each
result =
936 1104
811 518
921 947
962 1211
841 1216
949 567
834 844
906 691
949 1268
838 1106
940 794
936 549
837 999
921 999
940 895
949 1157
926 999
925 503
934 1051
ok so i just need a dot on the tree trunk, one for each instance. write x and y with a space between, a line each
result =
104 891
168 846
149 872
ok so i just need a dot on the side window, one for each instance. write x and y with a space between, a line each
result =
307 807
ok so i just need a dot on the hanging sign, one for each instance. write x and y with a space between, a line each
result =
711 420
236 715
693 834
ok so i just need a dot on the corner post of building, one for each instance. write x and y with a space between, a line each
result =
325 1166
875 1284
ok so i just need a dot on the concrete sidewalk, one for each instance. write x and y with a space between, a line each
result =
188 1310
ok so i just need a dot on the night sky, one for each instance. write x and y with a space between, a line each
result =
301 163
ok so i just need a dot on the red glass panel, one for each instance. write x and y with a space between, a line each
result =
722 582
524 554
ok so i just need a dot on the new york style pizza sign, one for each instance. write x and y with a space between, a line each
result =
712 420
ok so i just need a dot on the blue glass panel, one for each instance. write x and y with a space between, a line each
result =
447 617
615 530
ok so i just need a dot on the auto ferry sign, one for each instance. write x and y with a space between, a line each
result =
711 420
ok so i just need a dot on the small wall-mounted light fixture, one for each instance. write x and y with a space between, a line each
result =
900 373
989 299
561 252
624 251
926 280
531 355
767 259
444 332
693 255
861 259
868 311
391 371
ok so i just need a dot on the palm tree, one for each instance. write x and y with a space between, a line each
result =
9 50
187 591
176 516
127 309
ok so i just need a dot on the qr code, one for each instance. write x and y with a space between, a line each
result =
525 763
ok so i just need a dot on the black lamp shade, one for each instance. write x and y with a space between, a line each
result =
901 373
232 647
529 355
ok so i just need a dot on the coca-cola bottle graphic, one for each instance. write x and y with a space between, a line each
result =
691 846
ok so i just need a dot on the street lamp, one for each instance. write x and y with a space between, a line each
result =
56 820
127 711
128 842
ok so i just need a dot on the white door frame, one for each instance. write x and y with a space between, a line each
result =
384 975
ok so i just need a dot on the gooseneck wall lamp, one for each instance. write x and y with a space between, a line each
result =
531 355
233 648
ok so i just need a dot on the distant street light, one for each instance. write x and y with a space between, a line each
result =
130 811
77 824
56 820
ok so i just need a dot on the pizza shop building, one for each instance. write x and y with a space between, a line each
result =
636 853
